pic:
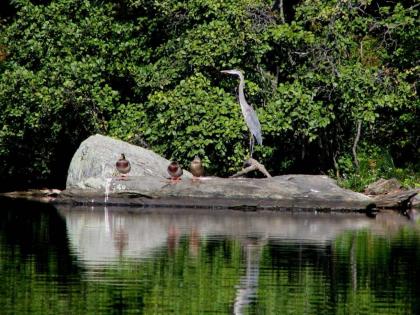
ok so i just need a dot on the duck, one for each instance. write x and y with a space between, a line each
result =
196 167
123 165
175 171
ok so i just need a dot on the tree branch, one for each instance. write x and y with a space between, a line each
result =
254 165
278 5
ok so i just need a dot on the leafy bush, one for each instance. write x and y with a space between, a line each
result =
374 163
55 87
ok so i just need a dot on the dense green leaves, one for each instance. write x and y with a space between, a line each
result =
149 72
196 119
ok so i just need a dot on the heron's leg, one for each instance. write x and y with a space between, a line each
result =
251 145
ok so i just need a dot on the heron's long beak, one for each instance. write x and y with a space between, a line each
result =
234 71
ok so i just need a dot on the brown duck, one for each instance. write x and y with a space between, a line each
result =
123 165
196 167
175 171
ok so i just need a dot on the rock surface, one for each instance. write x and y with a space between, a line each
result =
415 202
91 180
383 186
277 193
400 199
389 194
94 162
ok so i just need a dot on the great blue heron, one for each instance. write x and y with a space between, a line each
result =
248 112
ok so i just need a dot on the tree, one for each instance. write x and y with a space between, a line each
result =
149 73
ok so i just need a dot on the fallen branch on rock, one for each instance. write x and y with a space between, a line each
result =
252 165
41 195
396 200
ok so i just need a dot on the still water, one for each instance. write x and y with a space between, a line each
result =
179 261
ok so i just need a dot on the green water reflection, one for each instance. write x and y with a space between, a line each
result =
122 262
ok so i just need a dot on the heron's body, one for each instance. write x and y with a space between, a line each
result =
250 116
123 165
196 167
175 170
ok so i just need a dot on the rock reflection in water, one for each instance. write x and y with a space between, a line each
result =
137 234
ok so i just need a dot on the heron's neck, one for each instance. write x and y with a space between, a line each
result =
241 87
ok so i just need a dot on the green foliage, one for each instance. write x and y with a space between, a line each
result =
374 163
55 88
196 119
294 108
148 72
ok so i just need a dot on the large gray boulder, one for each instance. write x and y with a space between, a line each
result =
383 186
94 162
91 179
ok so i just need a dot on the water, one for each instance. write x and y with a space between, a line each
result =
107 188
175 261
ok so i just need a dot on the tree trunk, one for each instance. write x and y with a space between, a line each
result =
356 141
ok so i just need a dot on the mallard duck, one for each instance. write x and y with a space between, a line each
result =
175 171
196 167
123 165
